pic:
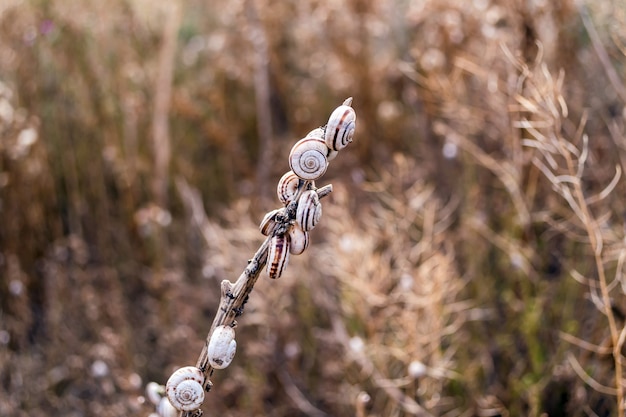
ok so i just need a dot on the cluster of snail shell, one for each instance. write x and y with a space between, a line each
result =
289 229
308 161
184 389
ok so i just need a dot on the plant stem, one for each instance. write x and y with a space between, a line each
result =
234 296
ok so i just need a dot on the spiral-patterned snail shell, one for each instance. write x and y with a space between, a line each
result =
340 127
222 347
184 389
287 187
298 239
277 256
268 222
309 210
319 134
308 158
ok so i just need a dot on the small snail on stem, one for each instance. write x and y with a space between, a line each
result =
222 347
185 388
308 158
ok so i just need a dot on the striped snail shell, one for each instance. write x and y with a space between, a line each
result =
319 134
277 255
222 347
298 239
269 221
307 158
184 389
287 187
309 210
340 127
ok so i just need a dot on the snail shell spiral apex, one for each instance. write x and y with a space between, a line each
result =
185 388
287 187
277 256
222 347
309 210
307 158
340 128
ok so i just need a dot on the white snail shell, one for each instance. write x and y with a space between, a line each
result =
277 255
185 388
166 409
268 222
308 158
340 128
318 132
298 239
287 187
222 347
309 210
155 392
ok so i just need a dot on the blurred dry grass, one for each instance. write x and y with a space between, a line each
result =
448 276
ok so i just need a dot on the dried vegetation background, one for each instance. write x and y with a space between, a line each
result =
469 262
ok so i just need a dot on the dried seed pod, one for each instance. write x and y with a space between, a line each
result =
184 389
277 255
308 158
287 187
309 210
222 347
268 222
340 127
298 239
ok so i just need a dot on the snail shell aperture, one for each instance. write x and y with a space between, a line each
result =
268 222
222 347
277 255
307 158
184 389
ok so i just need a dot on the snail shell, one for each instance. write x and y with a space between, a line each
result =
166 409
222 347
298 240
319 134
184 388
287 187
155 392
308 158
340 128
268 222
309 210
277 256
